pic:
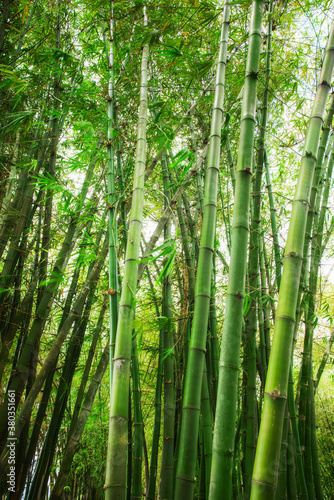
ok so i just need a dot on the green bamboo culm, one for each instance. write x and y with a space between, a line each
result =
317 235
268 449
312 275
186 465
157 404
273 221
206 428
318 246
251 329
213 339
224 434
167 460
113 267
115 484
138 432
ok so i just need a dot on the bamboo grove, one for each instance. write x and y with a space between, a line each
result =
166 222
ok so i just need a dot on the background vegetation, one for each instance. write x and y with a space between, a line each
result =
70 89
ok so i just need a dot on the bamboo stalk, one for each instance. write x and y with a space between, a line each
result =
268 448
224 434
167 460
187 453
115 482
254 292
157 407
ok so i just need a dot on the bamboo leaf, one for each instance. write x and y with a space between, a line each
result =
167 353
247 304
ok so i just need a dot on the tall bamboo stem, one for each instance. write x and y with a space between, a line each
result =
115 483
268 448
186 466
224 434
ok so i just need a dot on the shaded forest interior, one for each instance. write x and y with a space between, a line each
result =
166 250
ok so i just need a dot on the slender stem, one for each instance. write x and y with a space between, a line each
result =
186 466
224 433
276 390
115 483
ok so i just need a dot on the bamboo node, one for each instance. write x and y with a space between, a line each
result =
183 478
309 154
291 255
263 483
105 487
275 394
110 291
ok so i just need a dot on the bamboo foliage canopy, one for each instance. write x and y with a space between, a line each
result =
166 274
